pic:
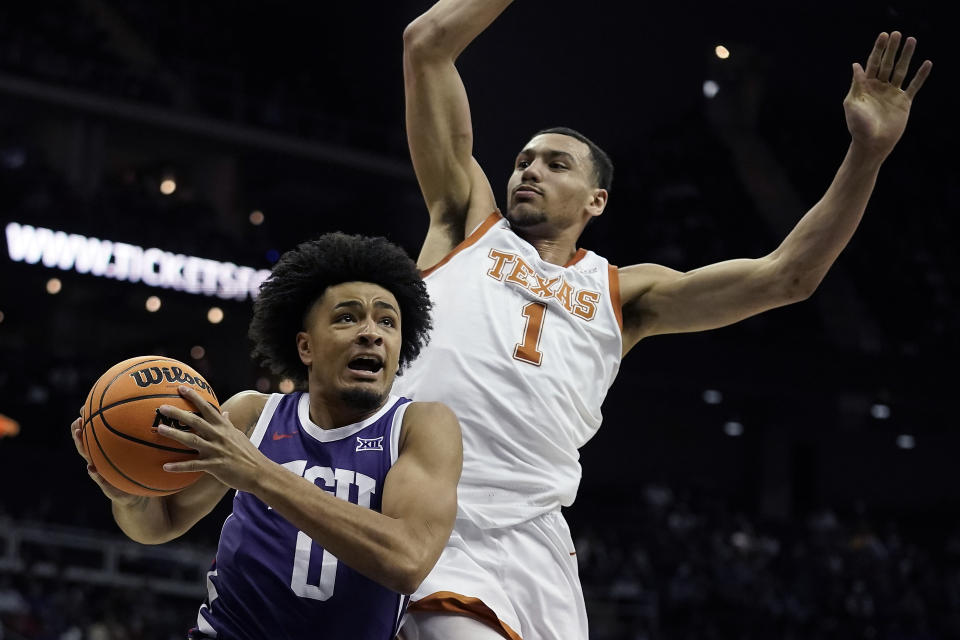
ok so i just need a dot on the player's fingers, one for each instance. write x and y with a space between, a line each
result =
115 495
919 78
900 71
185 418
873 61
206 409
185 467
859 77
185 438
108 489
889 55
76 432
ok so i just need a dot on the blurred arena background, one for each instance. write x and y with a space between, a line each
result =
793 476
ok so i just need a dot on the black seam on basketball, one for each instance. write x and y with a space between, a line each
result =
134 399
90 407
144 442
115 468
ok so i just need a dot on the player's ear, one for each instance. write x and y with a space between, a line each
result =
598 202
303 348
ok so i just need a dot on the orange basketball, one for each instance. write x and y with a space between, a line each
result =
120 421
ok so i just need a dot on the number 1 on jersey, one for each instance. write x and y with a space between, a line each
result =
528 350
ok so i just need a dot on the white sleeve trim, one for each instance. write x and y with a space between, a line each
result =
395 429
265 416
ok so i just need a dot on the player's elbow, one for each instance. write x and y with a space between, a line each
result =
797 287
792 282
408 584
149 537
424 39
407 576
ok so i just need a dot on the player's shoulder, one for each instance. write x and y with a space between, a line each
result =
430 419
429 412
637 279
245 408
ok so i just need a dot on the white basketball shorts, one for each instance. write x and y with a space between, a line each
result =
521 580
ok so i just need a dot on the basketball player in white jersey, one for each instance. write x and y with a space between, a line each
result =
346 493
530 329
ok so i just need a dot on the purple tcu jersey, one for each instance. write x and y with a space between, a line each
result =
269 579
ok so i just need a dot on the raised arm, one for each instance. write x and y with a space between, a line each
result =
439 130
660 300
397 547
156 520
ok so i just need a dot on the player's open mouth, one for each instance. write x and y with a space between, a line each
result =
365 364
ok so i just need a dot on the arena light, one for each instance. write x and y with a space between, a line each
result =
263 384
54 286
722 52
733 429
906 441
286 385
168 186
120 261
710 88
215 315
153 304
197 352
1 317
880 411
712 396
257 218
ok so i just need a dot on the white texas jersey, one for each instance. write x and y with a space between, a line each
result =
524 352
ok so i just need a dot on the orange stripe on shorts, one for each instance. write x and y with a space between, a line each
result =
450 602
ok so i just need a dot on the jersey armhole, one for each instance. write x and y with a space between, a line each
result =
395 428
613 281
471 239
265 416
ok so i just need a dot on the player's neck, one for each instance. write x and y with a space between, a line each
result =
333 412
558 249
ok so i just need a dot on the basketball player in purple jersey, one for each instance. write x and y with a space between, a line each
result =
345 494
530 329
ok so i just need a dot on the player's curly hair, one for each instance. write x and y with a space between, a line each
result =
303 274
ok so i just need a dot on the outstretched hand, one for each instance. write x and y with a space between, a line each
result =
225 452
876 107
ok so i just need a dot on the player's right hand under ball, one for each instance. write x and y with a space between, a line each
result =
116 495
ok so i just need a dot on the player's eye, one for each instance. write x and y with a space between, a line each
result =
388 322
345 317
523 164
557 165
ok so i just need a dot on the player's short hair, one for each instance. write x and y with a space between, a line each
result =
602 164
302 276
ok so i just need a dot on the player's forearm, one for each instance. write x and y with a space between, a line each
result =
449 26
807 253
378 546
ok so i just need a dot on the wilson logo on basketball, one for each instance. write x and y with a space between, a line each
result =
157 375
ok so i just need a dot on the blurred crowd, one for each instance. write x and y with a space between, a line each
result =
683 565
49 609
